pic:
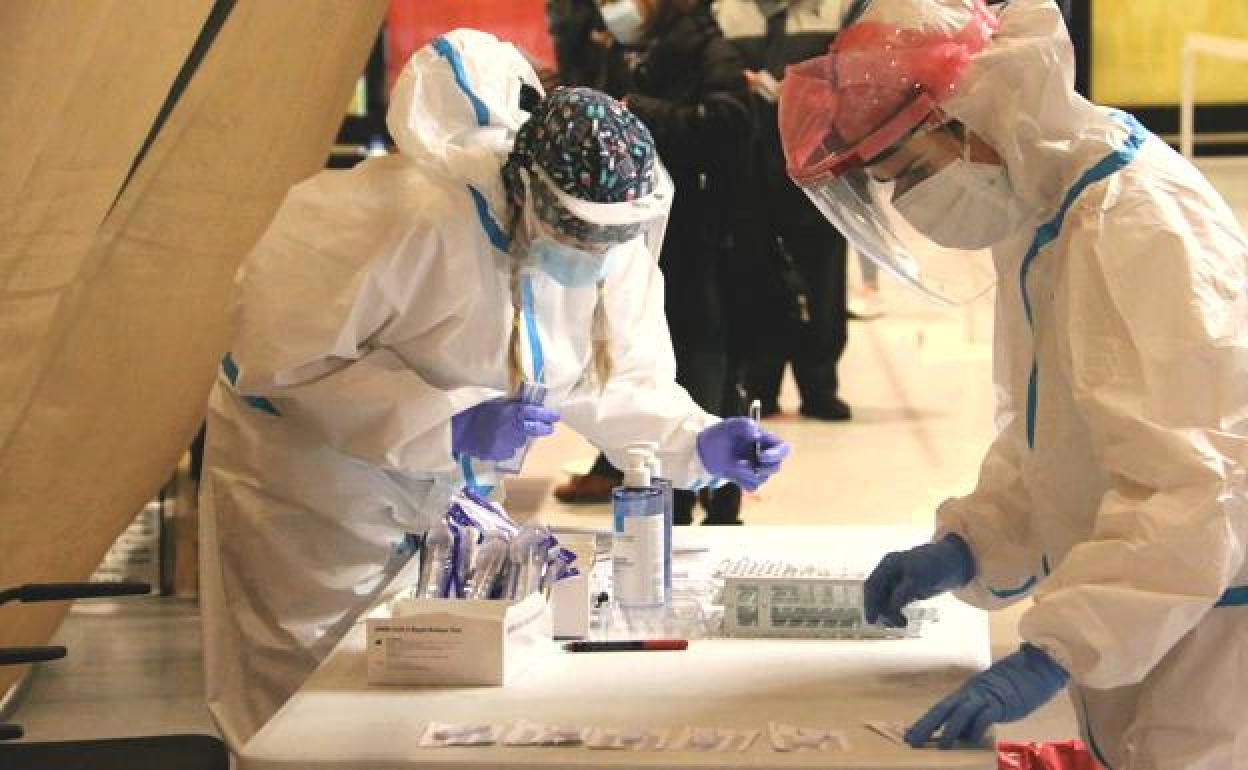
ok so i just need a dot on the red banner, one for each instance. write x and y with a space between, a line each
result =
412 23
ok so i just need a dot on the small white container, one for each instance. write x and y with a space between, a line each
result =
456 641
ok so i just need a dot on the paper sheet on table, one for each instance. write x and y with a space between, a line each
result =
896 732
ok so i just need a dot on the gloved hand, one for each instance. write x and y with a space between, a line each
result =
494 430
1009 690
922 572
727 450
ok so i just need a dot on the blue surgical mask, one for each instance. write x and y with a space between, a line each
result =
624 21
571 267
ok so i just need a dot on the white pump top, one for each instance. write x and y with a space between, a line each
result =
637 474
651 451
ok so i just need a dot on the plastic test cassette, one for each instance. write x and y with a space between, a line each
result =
780 599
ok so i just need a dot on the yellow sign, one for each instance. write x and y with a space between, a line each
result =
1137 50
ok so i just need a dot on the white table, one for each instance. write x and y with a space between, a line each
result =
337 721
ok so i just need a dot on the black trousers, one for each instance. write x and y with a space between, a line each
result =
814 348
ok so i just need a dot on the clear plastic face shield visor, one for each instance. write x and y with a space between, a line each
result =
595 229
898 211
909 187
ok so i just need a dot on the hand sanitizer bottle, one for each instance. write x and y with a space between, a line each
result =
638 546
664 485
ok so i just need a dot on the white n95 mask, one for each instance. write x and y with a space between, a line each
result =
571 267
965 205
623 20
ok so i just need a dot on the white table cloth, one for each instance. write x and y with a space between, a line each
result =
338 721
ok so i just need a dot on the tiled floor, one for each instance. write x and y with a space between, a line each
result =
134 668
919 382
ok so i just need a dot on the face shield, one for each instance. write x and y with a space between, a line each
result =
865 138
577 241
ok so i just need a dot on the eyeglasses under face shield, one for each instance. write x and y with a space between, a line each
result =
932 146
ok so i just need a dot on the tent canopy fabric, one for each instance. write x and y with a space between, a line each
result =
144 147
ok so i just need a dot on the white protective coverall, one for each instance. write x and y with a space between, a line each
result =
1114 493
376 307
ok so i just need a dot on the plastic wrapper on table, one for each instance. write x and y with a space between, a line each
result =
1054 755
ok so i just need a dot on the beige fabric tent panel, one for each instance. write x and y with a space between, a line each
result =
114 295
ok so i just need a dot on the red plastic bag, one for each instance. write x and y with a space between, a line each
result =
1054 755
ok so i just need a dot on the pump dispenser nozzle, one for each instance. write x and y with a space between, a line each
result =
651 450
637 474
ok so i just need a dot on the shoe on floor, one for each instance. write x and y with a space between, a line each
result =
587 488
864 306
835 410
722 522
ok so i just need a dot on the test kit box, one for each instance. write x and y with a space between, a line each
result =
456 641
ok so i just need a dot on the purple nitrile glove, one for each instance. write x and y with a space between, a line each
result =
922 572
494 430
727 450
1009 690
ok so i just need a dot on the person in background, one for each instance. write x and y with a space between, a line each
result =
387 319
580 40
687 84
947 141
801 257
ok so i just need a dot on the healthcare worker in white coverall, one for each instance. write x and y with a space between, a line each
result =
1114 494
387 318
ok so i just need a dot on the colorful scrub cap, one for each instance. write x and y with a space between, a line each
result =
591 148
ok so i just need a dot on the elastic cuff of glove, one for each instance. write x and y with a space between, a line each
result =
963 556
1040 661
702 471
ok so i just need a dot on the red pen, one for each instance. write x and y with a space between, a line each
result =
629 644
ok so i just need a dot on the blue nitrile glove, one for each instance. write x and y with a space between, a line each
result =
727 451
922 572
494 430
1009 690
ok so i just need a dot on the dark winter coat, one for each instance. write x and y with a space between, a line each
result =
688 86
771 43
580 59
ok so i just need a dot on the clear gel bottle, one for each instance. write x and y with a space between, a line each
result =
638 546
664 485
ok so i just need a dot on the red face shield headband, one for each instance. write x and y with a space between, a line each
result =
877 82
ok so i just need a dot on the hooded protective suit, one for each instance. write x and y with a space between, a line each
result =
1114 493
376 307
1115 488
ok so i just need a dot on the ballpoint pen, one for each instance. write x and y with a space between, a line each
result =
624 645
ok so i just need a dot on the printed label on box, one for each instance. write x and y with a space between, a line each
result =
456 641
